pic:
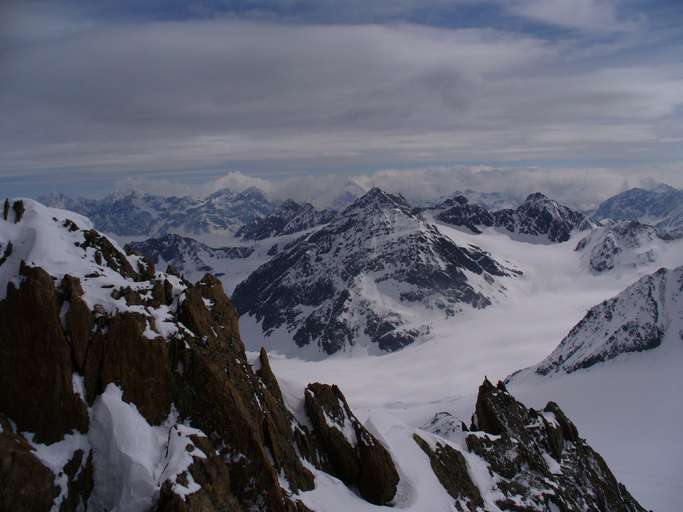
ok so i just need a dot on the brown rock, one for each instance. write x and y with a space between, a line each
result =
26 485
141 367
361 461
78 320
35 361
450 467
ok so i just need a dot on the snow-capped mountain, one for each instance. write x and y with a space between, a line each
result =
290 217
543 217
640 318
124 388
661 206
538 218
364 278
626 245
136 214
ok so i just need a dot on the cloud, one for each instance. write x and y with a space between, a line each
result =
580 188
590 15
143 96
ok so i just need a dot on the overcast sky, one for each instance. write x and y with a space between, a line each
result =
95 93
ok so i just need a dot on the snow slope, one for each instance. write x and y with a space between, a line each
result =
407 388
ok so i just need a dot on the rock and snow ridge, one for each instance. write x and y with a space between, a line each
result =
115 415
365 278
640 318
537 219
624 246
290 217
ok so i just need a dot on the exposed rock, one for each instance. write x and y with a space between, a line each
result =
26 485
518 444
354 455
458 211
7 252
450 467
36 362
19 210
5 209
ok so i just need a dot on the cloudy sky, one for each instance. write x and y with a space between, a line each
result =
93 94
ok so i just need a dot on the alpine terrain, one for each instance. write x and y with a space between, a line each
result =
137 395
369 279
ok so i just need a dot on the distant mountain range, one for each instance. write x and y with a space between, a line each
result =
661 206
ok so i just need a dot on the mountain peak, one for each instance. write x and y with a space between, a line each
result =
378 198
537 197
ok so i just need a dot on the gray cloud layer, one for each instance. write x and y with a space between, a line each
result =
205 94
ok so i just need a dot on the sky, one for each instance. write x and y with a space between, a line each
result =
98 94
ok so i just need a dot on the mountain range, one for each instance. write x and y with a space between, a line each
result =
126 388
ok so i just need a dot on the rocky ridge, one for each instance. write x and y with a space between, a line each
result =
639 318
538 218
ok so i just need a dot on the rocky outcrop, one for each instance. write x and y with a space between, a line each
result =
354 454
538 460
25 483
36 361
450 467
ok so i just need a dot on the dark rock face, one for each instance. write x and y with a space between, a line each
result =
539 215
36 362
290 217
25 484
450 467
633 321
354 455
458 211
376 243
540 457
